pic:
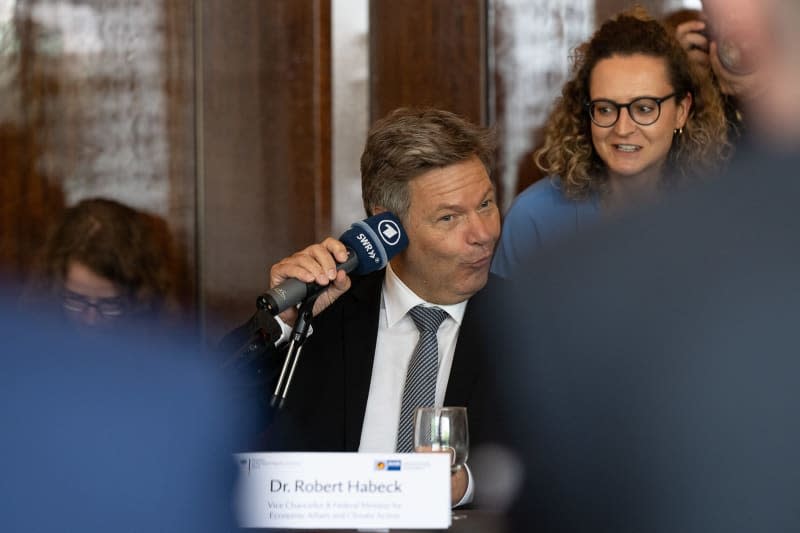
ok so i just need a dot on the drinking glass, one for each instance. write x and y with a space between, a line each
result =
442 429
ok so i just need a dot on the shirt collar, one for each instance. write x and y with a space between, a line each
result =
398 299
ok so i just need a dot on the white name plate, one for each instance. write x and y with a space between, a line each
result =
343 490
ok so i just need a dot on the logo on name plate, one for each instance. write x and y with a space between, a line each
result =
390 465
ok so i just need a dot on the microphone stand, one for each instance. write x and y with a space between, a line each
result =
298 338
263 330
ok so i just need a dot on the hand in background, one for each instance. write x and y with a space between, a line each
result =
694 41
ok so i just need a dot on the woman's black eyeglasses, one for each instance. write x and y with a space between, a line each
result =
643 111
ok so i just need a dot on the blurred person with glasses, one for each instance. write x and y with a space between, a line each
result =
91 309
633 120
106 265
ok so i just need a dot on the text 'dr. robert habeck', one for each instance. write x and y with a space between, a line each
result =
351 486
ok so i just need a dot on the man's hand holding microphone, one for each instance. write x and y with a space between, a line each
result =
322 269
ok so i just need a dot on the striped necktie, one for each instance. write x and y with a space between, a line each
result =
420 386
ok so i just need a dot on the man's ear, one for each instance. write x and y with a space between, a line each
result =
378 209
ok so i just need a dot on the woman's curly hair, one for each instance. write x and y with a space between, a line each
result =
125 246
568 150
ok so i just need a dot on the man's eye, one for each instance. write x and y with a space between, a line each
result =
446 218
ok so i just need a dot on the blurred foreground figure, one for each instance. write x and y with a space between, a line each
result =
651 382
746 46
770 29
101 436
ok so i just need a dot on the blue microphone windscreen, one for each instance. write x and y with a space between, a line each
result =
375 241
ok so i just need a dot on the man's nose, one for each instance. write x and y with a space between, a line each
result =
483 228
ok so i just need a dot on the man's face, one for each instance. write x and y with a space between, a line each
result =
452 224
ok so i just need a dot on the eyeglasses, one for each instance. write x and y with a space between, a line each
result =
106 307
643 111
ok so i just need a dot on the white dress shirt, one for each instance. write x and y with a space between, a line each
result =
397 338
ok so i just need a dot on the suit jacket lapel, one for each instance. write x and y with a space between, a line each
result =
464 368
360 334
471 357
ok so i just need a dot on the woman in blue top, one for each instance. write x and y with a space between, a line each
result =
633 119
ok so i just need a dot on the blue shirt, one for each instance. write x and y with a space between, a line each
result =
539 217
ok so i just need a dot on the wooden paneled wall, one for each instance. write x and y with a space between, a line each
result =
264 144
96 99
28 195
428 53
227 107
214 115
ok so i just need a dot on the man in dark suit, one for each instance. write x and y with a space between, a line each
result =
432 169
652 384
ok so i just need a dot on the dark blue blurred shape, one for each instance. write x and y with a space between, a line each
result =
111 434
650 379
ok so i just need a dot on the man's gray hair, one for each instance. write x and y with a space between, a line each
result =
409 142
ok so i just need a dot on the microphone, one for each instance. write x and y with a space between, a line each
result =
370 243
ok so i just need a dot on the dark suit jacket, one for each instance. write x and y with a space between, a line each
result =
325 406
